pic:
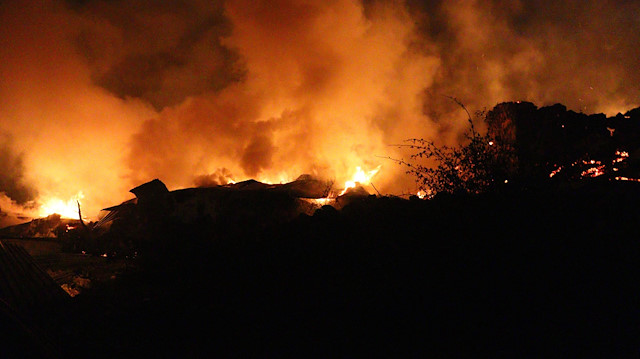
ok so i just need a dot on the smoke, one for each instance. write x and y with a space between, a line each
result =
580 53
15 193
68 134
100 96
326 86
161 52
12 179
218 178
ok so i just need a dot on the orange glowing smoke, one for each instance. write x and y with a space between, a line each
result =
104 97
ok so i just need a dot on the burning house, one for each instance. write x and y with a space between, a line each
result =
251 199
222 208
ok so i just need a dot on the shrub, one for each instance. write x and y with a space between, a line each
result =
476 166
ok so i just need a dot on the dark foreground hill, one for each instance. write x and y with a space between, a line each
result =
527 274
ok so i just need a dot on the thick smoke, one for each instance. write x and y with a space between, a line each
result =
100 96
16 193
326 87
12 180
71 133
580 53
161 52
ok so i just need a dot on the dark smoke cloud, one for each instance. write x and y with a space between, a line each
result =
161 52
580 53
13 183
257 155
220 177
16 193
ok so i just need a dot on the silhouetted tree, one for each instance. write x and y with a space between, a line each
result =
473 167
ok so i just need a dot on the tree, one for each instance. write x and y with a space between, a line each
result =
476 166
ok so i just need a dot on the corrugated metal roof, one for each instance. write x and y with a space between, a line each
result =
23 284
31 303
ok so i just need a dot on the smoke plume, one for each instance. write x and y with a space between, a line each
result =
99 96
318 79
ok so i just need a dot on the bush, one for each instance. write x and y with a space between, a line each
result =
477 166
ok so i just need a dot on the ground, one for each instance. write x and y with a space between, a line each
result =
540 272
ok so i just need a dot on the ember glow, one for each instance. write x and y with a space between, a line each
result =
594 171
627 179
104 95
555 172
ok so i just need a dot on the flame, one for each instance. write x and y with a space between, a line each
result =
322 201
279 178
362 177
627 179
555 172
67 209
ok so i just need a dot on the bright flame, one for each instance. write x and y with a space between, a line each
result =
322 201
361 177
67 209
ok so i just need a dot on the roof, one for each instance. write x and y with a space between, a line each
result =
150 189
31 303
23 284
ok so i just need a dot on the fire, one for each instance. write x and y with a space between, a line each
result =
67 209
555 172
322 201
362 177
594 171
627 179
280 178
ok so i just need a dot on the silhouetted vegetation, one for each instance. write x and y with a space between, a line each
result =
529 147
474 167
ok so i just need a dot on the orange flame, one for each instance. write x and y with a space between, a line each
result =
423 194
362 177
67 209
